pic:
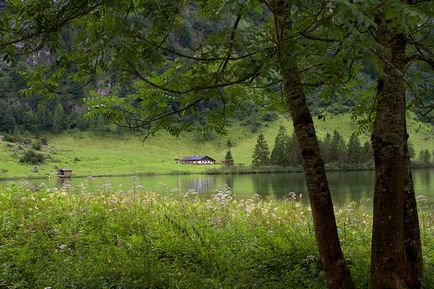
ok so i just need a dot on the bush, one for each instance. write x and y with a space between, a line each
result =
36 145
43 141
10 138
32 157
270 116
16 138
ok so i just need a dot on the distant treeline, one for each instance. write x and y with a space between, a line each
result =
336 153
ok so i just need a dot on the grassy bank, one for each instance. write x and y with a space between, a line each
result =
122 240
104 155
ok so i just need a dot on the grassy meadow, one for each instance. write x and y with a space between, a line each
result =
74 239
89 154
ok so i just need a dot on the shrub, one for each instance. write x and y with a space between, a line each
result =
43 141
16 138
32 157
10 138
36 145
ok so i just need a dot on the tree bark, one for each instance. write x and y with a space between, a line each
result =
388 138
412 243
337 273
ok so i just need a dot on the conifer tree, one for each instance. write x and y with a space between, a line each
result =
43 115
354 150
325 146
411 150
425 157
229 144
279 157
293 152
58 118
338 151
261 154
7 121
229 161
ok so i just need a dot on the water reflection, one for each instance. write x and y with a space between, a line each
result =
203 184
261 185
354 186
64 182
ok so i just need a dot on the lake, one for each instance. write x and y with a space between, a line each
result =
346 186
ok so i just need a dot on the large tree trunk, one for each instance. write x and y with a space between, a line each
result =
388 138
412 243
330 252
396 247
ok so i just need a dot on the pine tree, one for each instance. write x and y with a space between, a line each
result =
354 150
229 144
229 161
338 151
293 152
425 157
7 121
325 146
279 157
43 115
261 154
58 118
411 150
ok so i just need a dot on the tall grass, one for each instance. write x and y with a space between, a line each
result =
70 238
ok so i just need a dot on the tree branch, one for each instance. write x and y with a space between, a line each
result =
250 75
55 26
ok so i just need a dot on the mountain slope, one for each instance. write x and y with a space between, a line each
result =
88 154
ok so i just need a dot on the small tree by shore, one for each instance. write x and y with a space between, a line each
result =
261 154
229 161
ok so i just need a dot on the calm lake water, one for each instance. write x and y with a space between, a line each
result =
347 186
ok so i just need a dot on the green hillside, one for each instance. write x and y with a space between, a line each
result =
88 154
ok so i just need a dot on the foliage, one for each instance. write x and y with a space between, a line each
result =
279 155
32 157
127 51
229 161
425 157
229 144
58 118
354 150
338 149
261 154
336 154
294 156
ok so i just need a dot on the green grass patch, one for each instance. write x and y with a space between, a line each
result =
74 239
95 155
